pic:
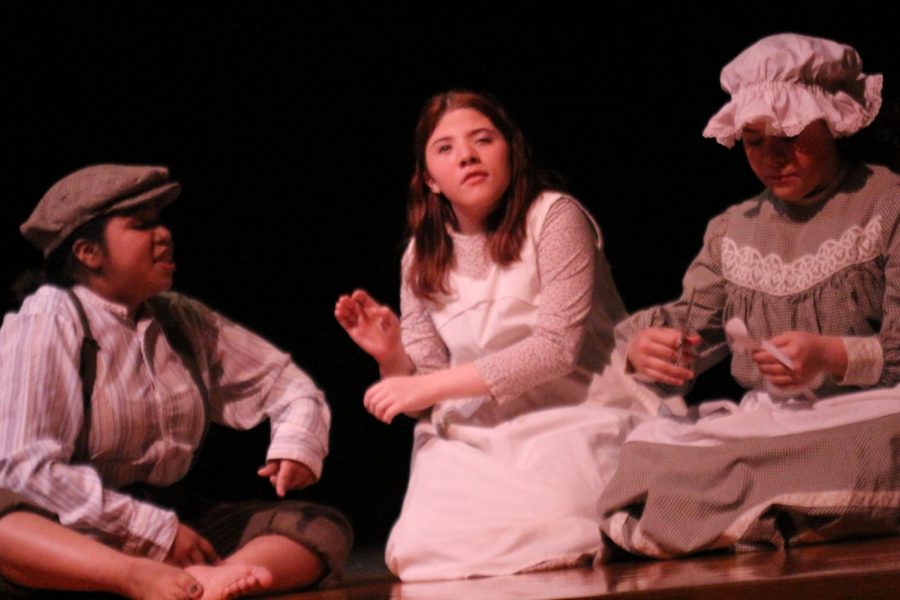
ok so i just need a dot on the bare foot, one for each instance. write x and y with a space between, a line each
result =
150 580
226 581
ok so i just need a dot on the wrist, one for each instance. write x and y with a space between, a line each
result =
394 363
835 357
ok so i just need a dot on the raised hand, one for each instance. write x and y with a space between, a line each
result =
374 327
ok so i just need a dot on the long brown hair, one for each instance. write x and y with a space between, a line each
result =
428 214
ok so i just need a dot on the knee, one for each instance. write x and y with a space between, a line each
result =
323 531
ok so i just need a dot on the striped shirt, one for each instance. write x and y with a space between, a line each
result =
148 415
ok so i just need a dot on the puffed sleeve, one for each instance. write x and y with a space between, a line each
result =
250 380
40 417
875 360
421 340
566 253
889 335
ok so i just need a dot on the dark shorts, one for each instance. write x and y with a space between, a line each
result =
228 526
11 501
320 529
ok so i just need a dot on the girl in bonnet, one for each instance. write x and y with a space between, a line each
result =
507 310
801 286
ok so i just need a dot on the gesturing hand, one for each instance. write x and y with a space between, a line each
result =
653 354
286 475
374 327
191 548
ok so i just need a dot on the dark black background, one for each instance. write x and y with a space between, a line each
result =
289 127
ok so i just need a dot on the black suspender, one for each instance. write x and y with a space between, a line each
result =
87 369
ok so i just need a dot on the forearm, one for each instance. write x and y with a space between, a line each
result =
536 360
75 493
456 382
300 419
413 394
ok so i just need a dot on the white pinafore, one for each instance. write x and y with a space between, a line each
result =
501 488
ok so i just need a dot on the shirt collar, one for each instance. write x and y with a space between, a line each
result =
120 311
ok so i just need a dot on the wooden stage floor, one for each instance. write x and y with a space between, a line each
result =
860 569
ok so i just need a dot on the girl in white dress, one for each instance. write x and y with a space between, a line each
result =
507 308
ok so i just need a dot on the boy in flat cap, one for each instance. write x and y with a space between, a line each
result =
107 384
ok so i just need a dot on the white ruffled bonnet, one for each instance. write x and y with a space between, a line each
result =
789 81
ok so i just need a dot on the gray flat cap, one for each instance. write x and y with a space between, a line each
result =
91 192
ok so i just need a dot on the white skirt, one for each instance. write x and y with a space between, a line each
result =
514 496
